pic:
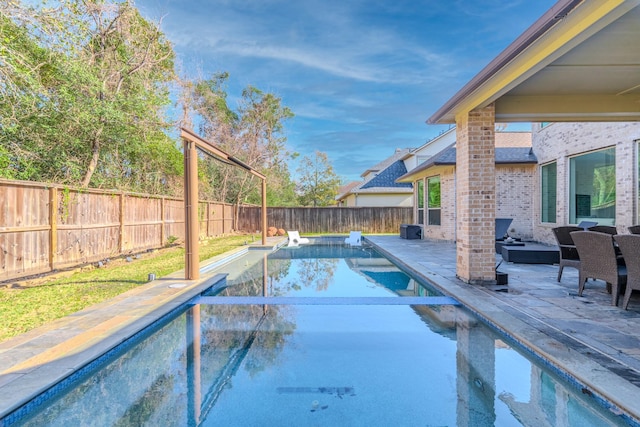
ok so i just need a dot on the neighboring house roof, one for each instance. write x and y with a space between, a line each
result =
401 153
345 189
504 155
385 179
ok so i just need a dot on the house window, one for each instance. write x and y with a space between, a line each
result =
592 187
420 202
433 200
549 188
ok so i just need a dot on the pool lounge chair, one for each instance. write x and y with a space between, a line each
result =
354 239
295 239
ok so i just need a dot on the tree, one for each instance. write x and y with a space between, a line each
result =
318 184
253 134
100 75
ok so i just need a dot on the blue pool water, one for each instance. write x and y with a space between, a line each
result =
312 360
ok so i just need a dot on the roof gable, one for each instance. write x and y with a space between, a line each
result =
387 178
503 155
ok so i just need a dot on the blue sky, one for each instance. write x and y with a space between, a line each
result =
360 76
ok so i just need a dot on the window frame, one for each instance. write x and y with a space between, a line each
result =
420 199
580 200
434 213
546 203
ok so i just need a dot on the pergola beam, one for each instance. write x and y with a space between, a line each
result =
191 142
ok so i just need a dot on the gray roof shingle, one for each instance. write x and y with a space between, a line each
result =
504 155
387 178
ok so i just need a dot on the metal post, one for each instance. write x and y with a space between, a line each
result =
191 270
264 211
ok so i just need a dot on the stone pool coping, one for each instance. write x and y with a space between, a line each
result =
33 362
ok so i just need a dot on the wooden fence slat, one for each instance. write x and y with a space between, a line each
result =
327 219
45 226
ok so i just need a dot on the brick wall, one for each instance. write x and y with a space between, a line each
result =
475 195
560 141
514 186
447 228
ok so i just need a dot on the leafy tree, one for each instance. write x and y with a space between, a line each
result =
98 75
254 134
318 184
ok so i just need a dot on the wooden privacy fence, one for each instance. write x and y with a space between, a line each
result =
44 227
328 219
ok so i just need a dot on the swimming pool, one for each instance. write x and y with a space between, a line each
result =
352 340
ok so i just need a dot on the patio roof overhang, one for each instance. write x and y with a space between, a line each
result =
579 62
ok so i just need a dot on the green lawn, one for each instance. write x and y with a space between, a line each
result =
27 307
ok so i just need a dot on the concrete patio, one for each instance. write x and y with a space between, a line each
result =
595 343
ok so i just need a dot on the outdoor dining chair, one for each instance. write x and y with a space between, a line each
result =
568 252
598 260
609 229
629 245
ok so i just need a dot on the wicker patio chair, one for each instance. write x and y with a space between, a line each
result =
598 260
609 229
629 245
568 252
634 229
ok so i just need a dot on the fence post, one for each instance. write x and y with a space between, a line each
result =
224 222
162 230
208 218
121 221
53 224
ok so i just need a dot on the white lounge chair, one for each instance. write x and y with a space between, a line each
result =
295 239
354 239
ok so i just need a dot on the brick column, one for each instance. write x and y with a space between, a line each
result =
475 196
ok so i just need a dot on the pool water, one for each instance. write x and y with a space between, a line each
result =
315 361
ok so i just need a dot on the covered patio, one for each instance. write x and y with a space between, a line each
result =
578 62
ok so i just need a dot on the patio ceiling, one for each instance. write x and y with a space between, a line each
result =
579 62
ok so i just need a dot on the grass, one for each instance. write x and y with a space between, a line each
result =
43 300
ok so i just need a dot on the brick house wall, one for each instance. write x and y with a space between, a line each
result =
447 228
514 186
560 141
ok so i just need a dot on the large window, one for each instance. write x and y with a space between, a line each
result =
420 202
592 187
549 196
433 200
